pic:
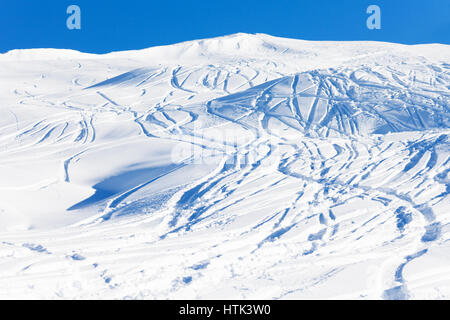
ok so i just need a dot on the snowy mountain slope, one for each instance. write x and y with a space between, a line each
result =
244 166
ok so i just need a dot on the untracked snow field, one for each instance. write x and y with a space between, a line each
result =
239 167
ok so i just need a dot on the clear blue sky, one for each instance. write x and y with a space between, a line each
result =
135 24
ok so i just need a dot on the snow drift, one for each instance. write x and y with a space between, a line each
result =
245 166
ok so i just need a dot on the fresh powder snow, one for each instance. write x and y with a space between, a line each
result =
246 167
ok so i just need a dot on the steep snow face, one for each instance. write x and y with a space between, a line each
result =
349 102
246 166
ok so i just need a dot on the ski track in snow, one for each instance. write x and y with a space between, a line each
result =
334 182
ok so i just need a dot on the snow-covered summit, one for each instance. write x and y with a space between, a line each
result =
244 45
244 166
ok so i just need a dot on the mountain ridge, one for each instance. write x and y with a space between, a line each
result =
272 169
228 40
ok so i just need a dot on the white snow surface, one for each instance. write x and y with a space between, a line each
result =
241 167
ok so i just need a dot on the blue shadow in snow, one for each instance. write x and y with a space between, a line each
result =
122 182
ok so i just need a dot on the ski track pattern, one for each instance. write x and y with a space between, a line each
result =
337 185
